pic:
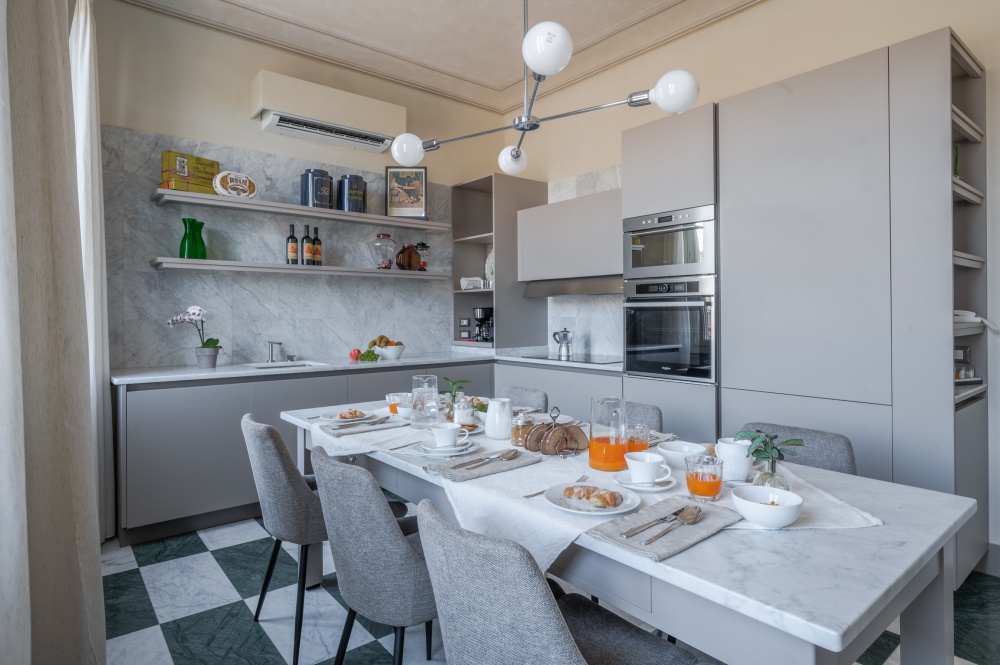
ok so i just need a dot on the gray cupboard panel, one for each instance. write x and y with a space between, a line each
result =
270 398
972 479
370 386
689 409
570 391
185 452
868 426
480 375
804 234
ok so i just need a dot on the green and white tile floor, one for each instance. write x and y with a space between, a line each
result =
190 599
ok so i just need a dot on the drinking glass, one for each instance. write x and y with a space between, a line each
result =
425 401
608 442
704 477
638 438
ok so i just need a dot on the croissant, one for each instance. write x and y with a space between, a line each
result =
605 498
579 491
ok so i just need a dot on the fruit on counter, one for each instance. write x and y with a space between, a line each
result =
354 354
368 356
382 341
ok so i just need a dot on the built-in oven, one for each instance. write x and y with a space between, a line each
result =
669 328
670 244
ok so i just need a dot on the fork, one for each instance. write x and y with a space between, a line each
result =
582 479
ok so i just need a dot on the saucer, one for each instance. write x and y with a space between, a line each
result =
624 478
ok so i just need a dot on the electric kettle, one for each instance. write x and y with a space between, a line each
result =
564 339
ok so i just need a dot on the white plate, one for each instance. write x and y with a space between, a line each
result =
479 430
544 419
431 447
447 452
335 417
624 479
554 495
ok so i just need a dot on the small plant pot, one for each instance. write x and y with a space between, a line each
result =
207 357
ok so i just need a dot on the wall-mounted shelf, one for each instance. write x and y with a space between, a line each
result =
473 291
963 329
481 239
166 262
963 128
965 64
963 191
967 260
478 345
965 393
162 196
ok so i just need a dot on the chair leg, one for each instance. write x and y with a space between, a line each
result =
397 649
267 578
300 600
671 639
595 598
345 637
428 630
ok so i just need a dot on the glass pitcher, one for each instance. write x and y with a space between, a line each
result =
425 404
608 440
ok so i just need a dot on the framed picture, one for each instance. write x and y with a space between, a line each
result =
464 323
406 191
463 334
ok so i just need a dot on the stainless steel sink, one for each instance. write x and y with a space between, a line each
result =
287 363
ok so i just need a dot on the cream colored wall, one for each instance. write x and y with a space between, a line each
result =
164 75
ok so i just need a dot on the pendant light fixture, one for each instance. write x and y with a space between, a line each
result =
546 50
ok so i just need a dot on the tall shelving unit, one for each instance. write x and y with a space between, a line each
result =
484 218
940 429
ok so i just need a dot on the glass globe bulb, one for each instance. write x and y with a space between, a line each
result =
675 92
407 149
547 48
512 165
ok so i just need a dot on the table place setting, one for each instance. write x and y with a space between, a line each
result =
492 464
379 430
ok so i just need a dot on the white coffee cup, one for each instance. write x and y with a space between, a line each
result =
446 434
645 468
733 453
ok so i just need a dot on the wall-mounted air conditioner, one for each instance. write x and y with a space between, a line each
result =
292 107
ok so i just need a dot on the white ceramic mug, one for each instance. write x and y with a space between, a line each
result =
645 468
734 455
446 434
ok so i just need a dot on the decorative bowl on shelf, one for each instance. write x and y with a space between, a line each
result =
391 352
769 507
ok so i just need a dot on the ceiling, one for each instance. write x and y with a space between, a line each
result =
466 50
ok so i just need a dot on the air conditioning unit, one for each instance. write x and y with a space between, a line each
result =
305 110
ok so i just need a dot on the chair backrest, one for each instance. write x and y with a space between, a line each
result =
518 396
823 450
494 605
292 512
637 413
380 574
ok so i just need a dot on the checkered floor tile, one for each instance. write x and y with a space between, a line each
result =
190 599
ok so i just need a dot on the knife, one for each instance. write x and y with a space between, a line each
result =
628 533
473 461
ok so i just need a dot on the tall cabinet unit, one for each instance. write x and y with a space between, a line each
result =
937 102
484 219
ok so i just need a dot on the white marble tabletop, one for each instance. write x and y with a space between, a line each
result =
821 585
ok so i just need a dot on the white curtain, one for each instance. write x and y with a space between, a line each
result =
87 120
51 601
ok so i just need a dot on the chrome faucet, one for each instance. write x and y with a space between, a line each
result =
270 351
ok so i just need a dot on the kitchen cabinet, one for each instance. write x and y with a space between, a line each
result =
689 409
479 375
569 389
868 426
669 164
580 237
804 235
270 397
972 479
373 385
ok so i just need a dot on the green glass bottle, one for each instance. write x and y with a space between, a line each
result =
200 251
186 242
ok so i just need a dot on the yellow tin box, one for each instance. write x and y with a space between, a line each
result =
180 185
181 166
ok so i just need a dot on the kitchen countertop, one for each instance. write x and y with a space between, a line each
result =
523 357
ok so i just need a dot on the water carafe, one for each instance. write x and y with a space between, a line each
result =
425 401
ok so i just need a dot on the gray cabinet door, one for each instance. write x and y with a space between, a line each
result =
804 234
480 377
689 409
185 453
569 390
372 385
868 426
972 479
574 238
669 164
270 397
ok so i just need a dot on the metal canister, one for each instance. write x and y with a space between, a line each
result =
351 193
317 187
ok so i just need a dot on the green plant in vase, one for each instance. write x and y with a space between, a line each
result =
764 447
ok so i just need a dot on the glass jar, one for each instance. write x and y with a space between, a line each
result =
608 442
519 429
408 258
465 414
424 249
383 250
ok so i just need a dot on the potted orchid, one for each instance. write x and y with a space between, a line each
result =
208 352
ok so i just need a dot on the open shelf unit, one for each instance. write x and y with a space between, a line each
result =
481 239
964 192
963 260
472 291
166 262
963 128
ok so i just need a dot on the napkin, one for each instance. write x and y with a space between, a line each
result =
713 519
445 470
363 428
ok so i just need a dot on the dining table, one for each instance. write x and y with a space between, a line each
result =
803 596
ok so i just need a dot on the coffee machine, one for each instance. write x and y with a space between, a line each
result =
484 323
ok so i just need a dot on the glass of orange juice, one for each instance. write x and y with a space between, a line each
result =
704 477
608 440
638 438
394 399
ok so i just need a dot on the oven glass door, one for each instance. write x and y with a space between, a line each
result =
671 338
684 249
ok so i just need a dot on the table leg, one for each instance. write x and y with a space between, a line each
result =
927 626
314 563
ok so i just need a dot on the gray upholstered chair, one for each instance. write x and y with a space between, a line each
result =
823 450
496 608
530 397
291 510
380 563
637 413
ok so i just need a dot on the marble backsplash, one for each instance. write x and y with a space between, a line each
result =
596 321
314 316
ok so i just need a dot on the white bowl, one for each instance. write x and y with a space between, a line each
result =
675 452
390 352
404 412
753 503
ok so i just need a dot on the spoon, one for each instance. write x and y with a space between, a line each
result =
688 516
506 455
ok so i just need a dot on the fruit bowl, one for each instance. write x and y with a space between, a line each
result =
390 352
768 507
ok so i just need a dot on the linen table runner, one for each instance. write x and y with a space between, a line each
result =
445 470
363 438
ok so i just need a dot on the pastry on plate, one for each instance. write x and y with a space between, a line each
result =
606 498
579 491
351 414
